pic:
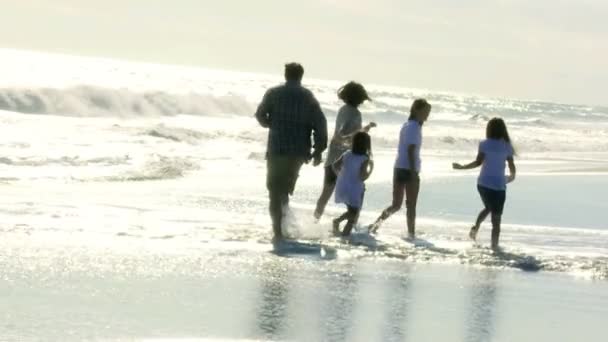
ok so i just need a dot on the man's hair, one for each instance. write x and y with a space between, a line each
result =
294 72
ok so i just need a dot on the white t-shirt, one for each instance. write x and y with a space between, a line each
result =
496 152
411 134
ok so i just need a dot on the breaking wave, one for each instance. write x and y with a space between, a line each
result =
159 169
89 101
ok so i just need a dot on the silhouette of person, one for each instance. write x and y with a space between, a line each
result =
348 123
292 115
406 179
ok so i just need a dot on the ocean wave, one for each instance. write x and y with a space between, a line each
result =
178 134
90 101
161 168
65 161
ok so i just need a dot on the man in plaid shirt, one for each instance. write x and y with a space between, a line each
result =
292 114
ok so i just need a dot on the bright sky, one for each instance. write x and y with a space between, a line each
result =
553 50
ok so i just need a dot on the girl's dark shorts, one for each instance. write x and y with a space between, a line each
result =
493 200
404 176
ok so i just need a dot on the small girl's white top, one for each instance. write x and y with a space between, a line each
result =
349 186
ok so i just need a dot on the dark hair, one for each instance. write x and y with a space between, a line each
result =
362 144
294 71
353 93
497 129
418 105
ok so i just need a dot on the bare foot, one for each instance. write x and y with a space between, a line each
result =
336 227
276 240
411 236
373 228
473 233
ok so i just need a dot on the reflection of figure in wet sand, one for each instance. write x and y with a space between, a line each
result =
272 311
340 306
480 320
396 302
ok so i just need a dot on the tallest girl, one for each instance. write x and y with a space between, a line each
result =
407 167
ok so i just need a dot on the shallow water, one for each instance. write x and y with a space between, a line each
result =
133 295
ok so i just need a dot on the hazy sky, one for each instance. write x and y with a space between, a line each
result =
536 49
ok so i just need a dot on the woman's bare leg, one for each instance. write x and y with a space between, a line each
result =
328 190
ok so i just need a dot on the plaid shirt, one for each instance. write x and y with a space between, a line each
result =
292 114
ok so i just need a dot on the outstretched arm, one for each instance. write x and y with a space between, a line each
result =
476 163
348 137
262 114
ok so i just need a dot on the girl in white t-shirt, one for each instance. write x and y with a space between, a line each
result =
407 167
353 168
494 153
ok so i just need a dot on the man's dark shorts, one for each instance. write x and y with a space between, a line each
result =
493 200
282 173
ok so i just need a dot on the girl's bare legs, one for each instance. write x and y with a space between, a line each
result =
398 193
352 214
412 188
480 218
337 221
496 218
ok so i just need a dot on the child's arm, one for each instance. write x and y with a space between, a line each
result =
512 170
366 169
476 163
411 155
348 137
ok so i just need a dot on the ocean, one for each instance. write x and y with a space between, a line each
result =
133 207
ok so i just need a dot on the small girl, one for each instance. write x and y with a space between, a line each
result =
353 168
493 153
